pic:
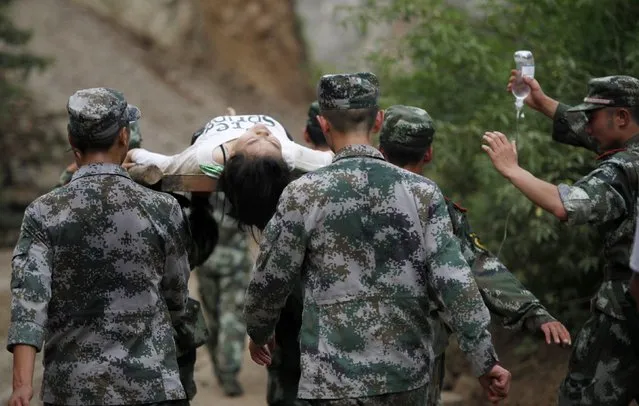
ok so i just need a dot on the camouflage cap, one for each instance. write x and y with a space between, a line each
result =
135 136
348 91
610 91
407 126
313 112
97 113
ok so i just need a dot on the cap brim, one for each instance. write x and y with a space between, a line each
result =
585 107
132 113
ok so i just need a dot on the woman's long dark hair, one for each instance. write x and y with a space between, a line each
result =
253 186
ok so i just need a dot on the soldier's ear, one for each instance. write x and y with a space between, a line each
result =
379 120
123 136
623 117
428 156
324 125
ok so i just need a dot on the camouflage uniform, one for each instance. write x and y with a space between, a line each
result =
284 370
411 128
368 240
191 332
100 273
223 279
603 366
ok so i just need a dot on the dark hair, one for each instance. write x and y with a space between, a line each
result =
253 186
351 120
402 155
85 144
316 135
197 134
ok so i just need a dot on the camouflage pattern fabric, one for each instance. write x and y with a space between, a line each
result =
368 258
570 128
436 386
98 112
223 279
191 332
415 397
101 282
182 402
348 91
284 371
506 297
135 135
514 305
604 198
610 91
407 126
603 368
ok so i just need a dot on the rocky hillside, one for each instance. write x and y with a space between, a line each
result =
181 61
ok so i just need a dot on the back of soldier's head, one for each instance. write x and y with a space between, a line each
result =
96 117
406 135
349 102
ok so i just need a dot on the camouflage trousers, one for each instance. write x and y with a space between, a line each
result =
182 402
603 368
222 296
437 381
284 371
415 397
186 364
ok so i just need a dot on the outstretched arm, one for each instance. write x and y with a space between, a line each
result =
506 297
504 156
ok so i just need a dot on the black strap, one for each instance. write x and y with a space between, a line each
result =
223 154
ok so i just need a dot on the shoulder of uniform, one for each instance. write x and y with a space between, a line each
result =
609 153
450 202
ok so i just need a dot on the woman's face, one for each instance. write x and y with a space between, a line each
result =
258 141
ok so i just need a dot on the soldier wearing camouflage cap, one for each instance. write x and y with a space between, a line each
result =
135 141
100 275
604 365
406 140
192 331
370 240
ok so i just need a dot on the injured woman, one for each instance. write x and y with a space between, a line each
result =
256 156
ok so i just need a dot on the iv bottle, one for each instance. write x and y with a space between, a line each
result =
525 65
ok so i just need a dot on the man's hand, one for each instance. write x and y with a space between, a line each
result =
262 355
21 396
502 152
557 332
537 99
496 383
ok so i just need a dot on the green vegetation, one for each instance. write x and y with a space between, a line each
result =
455 64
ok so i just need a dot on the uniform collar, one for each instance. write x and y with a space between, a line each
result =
100 169
358 151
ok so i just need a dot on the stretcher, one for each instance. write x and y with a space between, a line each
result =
151 176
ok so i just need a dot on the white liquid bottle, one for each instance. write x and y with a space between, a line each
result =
525 65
